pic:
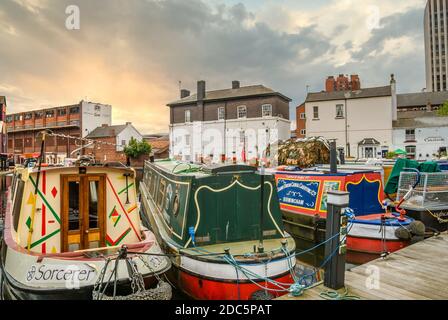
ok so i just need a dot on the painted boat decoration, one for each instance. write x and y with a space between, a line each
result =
304 194
209 218
62 224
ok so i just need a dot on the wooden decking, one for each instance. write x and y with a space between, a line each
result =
418 272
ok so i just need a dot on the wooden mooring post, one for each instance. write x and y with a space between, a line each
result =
336 247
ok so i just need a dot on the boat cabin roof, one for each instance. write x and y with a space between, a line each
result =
320 171
200 170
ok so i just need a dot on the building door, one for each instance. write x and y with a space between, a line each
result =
83 212
368 152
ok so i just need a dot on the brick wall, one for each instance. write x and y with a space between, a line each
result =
253 105
106 153
301 123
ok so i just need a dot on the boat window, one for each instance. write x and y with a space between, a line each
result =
18 203
93 204
160 194
73 205
153 186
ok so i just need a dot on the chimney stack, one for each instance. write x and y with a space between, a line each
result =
393 87
128 123
235 84
184 93
201 90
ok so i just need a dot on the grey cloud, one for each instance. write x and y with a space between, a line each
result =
188 40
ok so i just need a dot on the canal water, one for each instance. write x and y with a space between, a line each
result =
306 268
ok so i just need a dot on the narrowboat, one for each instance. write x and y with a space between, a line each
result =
222 226
63 226
303 194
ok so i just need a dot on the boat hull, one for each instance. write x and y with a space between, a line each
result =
201 288
364 242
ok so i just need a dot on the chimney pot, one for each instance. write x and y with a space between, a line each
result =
104 125
235 84
128 123
201 90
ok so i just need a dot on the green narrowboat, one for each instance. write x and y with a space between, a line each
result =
224 232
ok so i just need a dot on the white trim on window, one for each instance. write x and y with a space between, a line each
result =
241 112
303 132
221 113
315 112
303 116
266 110
187 116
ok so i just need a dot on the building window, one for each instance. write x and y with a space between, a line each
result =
242 112
28 116
62 112
303 132
411 151
74 110
49 114
18 117
8 119
410 135
266 110
303 116
38 114
339 111
123 143
221 113
187 140
316 112
242 136
187 116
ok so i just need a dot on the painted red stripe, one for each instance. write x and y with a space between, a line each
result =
122 208
44 211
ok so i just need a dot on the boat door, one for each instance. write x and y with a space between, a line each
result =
83 212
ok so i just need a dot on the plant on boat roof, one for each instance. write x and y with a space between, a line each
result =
136 148
443 111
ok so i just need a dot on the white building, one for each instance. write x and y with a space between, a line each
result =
241 123
419 130
360 121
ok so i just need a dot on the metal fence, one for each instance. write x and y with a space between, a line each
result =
431 191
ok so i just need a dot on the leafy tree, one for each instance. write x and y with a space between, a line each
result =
443 111
136 148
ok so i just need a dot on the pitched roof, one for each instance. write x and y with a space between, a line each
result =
421 99
340 95
104 132
420 119
159 144
226 94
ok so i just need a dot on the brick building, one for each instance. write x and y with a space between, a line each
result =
3 140
114 139
237 122
74 120
301 121
160 145
343 83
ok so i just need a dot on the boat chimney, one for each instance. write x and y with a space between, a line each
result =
333 158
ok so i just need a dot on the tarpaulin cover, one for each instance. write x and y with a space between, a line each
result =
400 165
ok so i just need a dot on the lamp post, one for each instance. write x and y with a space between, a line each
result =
347 143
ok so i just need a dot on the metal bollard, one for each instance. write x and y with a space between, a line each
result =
336 223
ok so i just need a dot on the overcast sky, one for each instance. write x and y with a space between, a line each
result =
133 53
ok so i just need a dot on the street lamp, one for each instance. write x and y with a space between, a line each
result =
347 143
